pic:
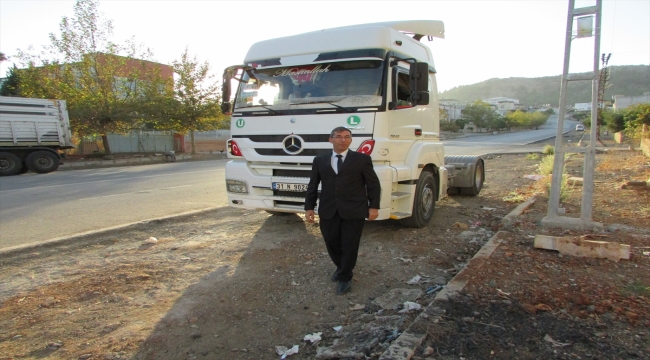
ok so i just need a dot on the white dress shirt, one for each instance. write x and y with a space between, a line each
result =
334 159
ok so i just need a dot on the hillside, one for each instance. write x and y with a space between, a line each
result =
623 80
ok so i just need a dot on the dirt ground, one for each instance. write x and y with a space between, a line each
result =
533 304
232 284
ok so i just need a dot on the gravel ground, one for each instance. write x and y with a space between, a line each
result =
237 284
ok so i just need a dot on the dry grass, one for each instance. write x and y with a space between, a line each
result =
625 161
612 203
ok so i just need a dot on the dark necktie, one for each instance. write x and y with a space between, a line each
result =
339 163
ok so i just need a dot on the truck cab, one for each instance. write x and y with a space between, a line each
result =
378 80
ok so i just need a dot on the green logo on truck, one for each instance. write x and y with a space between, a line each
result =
354 120
240 123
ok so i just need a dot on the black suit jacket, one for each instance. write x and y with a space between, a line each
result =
350 192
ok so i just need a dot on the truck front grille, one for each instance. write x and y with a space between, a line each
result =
292 173
280 152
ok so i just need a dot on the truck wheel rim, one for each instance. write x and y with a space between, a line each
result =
43 162
479 178
427 199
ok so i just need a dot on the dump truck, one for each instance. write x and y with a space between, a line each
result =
33 135
379 81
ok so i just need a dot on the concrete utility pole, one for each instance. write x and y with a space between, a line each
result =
585 29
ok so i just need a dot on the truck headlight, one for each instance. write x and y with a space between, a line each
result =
236 186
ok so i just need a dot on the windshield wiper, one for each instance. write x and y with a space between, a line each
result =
274 112
248 108
324 102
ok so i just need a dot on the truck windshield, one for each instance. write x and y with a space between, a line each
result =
325 85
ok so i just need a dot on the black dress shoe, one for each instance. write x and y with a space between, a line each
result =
344 287
335 275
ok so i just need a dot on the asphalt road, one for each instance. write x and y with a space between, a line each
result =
515 142
36 208
40 207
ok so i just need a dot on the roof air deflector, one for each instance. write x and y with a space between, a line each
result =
419 28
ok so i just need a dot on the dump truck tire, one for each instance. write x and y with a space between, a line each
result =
42 161
10 164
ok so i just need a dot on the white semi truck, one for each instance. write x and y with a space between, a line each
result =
32 134
379 81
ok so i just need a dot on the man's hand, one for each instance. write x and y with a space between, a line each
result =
309 215
372 214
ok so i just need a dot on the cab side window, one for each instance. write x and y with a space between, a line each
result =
403 89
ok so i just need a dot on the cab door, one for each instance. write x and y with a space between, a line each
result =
403 117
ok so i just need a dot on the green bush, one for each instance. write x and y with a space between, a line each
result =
461 123
448 126
545 166
548 150
564 188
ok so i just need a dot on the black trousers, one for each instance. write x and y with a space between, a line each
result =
342 238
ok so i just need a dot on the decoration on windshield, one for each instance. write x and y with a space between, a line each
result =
302 74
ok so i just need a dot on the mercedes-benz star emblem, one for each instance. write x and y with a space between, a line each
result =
292 144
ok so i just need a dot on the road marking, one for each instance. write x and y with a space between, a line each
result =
135 192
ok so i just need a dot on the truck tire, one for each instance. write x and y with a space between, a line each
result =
424 201
10 164
479 179
42 161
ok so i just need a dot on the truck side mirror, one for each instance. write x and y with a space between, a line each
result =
226 108
421 98
419 74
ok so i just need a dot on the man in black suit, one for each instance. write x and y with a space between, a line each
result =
350 193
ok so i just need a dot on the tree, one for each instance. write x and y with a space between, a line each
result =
538 119
460 123
509 121
480 113
444 115
613 120
582 116
519 119
196 102
449 126
102 82
10 87
637 119
498 122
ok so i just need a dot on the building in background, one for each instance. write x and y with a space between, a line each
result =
582 107
452 107
503 105
622 101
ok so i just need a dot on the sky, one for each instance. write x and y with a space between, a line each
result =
483 39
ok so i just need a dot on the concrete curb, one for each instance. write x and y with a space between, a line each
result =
14 250
142 160
403 348
509 219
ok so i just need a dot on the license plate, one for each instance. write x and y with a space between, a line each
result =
289 187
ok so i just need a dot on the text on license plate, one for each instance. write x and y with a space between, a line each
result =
289 187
